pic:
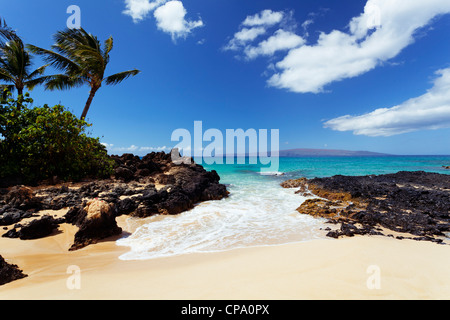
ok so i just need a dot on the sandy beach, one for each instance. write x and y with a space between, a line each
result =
353 268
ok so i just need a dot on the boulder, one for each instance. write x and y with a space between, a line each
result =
97 222
35 229
123 173
9 272
22 197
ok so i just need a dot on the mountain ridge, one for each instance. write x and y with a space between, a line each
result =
302 152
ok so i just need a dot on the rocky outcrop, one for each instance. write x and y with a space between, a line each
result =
414 203
11 216
140 187
96 221
9 272
35 229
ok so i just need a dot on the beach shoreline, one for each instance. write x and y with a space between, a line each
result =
316 269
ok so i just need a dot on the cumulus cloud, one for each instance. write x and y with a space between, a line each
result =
244 36
429 111
139 9
281 40
380 33
259 24
170 16
264 18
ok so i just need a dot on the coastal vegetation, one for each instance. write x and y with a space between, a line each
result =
39 143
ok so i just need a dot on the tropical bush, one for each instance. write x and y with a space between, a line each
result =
38 143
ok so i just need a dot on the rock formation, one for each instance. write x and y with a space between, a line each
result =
35 229
9 272
140 187
414 203
96 221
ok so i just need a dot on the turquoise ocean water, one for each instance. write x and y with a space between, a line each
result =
258 212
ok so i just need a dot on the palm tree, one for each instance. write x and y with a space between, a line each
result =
15 63
82 59
5 31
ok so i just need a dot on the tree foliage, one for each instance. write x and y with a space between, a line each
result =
16 63
39 143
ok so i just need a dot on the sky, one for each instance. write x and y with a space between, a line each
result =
370 75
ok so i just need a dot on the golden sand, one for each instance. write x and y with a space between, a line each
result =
352 268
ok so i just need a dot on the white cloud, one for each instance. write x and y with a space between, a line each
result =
281 40
257 25
243 36
169 15
429 111
306 24
264 18
134 149
170 18
251 34
139 9
380 33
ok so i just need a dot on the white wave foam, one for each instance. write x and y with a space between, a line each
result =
255 214
274 173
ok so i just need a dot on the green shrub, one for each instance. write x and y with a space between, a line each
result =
42 142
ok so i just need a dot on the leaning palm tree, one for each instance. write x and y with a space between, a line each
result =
16 62
83 60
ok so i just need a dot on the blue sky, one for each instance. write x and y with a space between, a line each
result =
356 75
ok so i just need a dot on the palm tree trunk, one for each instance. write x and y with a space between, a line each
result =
88 102
19 94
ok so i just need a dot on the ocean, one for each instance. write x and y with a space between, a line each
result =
258 212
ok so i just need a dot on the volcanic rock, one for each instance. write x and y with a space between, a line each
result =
414 203
96 221
9 272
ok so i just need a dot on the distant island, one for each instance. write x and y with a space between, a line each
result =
328 153
302 152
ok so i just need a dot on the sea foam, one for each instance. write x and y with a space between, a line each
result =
258 212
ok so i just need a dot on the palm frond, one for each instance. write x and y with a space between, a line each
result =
55 59
63 82
6 32
119 77
15 58
38 72
6 77
30 84
108 46
70 40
